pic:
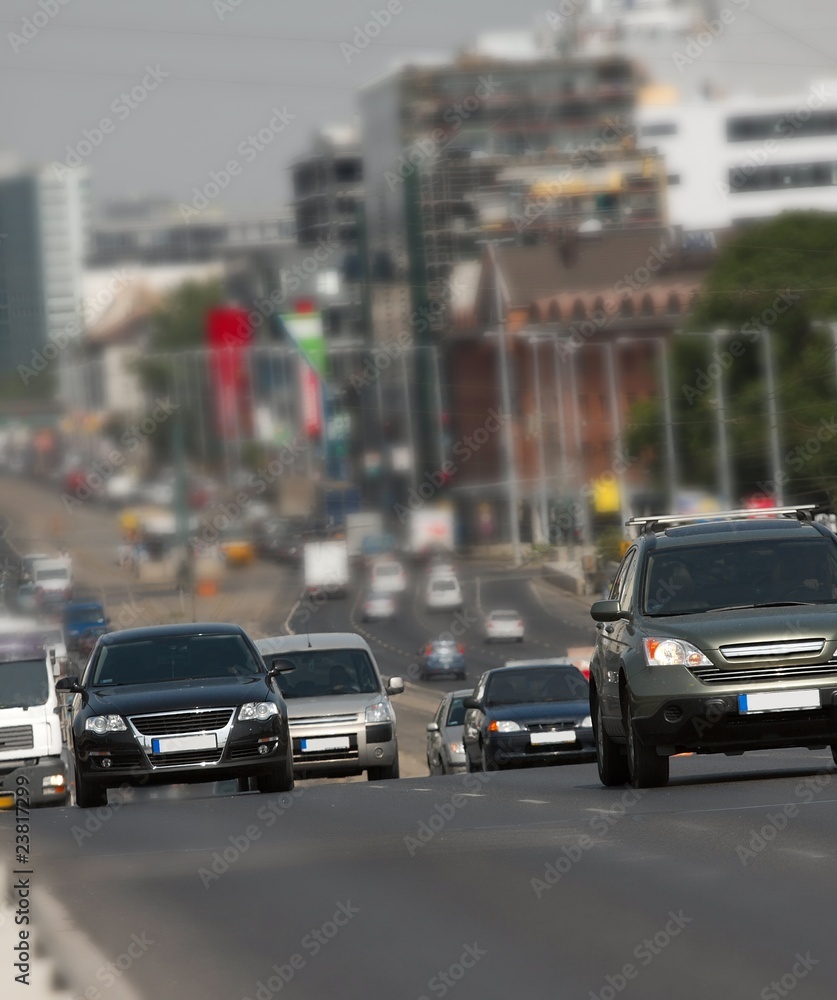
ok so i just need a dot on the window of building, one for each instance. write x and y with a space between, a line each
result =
750 177
659 128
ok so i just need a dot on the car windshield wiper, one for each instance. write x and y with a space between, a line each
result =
767 604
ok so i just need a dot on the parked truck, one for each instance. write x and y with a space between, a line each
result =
31 766
326 568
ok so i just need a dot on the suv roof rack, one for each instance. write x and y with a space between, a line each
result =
803 512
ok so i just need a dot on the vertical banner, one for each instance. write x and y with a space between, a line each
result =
229 335
305 328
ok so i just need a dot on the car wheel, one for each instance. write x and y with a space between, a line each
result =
281 780
485 763
469 764
612 763
646 768
834 752
88 795
384 773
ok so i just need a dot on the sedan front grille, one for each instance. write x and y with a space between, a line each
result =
185 758
323 720
16 738
758 675
551 727
178 723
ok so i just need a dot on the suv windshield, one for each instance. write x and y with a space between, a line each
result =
319 672
175 658
746 573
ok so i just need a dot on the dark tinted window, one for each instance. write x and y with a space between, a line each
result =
456 712
511 687
742 572
175 658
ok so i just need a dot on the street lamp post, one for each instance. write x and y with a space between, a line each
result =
508 438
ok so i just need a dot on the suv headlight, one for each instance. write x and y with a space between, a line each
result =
505 726
258 710
673 653
379 712
100 724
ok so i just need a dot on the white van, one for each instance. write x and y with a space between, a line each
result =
53 579
30 723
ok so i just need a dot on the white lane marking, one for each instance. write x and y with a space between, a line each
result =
535 802
473 795
293 611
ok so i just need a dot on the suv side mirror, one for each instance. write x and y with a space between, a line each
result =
607 611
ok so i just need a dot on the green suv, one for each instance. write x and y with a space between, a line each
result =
719 636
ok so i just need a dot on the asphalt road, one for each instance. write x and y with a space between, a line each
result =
536 883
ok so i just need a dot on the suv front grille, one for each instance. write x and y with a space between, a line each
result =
783 647
758 675
177 723
551 727
323 720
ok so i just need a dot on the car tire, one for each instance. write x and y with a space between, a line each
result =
384 773
469 766
645 767
611 762
834 752
486 765
281 780
88 795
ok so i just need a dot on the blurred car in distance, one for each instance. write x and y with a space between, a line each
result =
501 625
78 616
443 593
442 657
524 715
378 606
388 576
445 749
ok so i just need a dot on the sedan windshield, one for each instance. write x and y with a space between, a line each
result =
525 686
747 573
175 658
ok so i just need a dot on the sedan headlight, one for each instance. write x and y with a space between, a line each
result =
505 726
379 712
673 653
258 710
457 748
100 724
586 723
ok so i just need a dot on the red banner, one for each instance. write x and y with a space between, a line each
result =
229 335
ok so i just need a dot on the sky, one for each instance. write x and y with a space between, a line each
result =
183 83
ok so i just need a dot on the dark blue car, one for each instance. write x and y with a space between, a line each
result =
442 657
79 616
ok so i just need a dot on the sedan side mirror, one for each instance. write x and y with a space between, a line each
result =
395 685
433 727
472 702
69 684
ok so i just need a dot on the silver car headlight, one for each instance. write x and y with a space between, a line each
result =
259 711
586 723
379 712
505 726
101 724
665 652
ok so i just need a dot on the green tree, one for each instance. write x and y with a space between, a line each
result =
775 279
178 325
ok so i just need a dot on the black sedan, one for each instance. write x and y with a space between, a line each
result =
534 714
177 703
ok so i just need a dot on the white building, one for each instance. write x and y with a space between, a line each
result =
744 158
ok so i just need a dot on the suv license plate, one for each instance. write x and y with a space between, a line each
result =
778 701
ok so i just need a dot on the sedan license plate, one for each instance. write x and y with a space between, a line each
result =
778 701
560 736
325 743
174 744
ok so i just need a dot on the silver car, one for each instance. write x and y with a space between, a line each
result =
445 749
340 716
